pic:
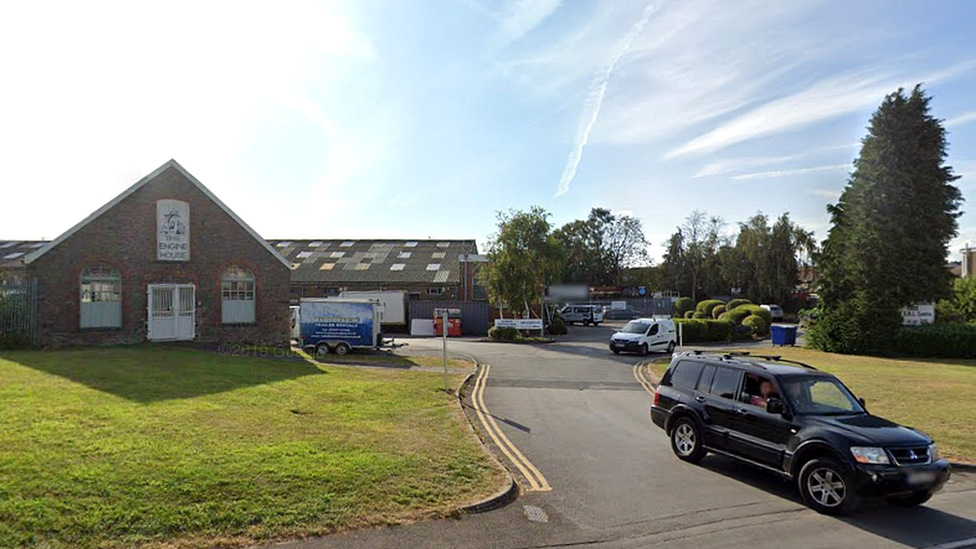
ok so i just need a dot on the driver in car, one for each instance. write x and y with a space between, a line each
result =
766 392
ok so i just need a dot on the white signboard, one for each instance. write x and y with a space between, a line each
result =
172 230
918 314
618 305
519 323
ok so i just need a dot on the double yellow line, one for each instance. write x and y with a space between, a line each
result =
537 482
641 378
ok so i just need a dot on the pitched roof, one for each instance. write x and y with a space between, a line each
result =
13 252
171 164
375 261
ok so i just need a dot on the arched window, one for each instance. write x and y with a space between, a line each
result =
237 296
101 298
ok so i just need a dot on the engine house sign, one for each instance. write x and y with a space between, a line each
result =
172 230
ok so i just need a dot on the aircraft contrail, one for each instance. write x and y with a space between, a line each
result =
594 101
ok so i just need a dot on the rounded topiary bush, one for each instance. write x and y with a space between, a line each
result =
683 305
735 316
718 310
737 303
705 307
689 314
758 311
757 323
699 314
741 332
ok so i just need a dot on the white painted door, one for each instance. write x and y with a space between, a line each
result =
172 312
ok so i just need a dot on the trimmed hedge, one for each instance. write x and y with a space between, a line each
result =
699 314
682 306
757 324
697 330
705 307
718 310
504 333
689 314
737 303
937 341
557 326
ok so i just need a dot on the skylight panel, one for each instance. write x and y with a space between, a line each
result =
397 266
433 266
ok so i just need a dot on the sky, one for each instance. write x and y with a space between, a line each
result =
403 120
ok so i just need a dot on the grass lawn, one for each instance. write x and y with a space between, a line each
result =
169 447
936 396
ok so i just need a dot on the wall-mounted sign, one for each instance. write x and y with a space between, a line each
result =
918 314
172 230
519 323
618 305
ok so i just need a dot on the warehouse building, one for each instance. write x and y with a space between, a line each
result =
165 260
441 270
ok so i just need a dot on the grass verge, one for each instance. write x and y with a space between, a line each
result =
159 446
935 396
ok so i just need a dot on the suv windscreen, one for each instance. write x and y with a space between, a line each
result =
634 327
820 396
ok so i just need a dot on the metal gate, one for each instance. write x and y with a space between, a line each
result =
172 312
474 314
18 313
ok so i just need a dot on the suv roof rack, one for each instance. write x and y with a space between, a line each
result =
768 358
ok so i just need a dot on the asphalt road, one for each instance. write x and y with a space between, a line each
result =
577 414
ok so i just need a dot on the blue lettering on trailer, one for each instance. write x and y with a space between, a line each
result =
337 321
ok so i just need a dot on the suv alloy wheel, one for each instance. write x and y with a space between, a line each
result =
686 441
828 487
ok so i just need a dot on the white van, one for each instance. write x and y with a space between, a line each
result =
582 314
645 335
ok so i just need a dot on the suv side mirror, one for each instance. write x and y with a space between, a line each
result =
860 400
775 406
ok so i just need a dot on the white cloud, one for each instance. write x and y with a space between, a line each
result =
106 92
961 119
843 94
829 194
523 16
795 171
594 101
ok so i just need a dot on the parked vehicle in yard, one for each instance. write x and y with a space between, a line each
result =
610 313
775 310
582 314
338 325
644 335
799 423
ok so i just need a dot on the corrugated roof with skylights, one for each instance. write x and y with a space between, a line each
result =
13 252
375 261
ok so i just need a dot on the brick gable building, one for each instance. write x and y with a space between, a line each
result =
165 260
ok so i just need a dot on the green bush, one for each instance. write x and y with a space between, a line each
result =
689 314
504 333
693 330
937 341
697 330
757 323
735 315
736 303
699 314
758 311
718 310
855 327
682 306
741 333
557 326
705 307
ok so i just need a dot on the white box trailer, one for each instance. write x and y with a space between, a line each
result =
338 325
393 304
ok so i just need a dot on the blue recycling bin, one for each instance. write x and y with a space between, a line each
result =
783 335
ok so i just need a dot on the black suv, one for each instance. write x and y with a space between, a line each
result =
797 422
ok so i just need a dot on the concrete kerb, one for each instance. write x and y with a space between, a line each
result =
967 467
510 491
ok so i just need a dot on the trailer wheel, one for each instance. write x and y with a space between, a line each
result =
342 349
322 349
